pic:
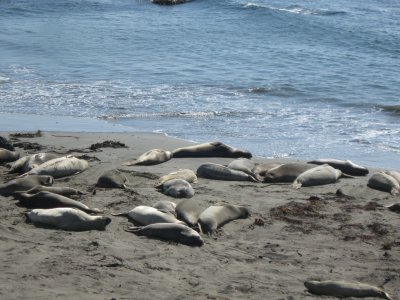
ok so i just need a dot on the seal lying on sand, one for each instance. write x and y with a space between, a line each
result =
185 174
213 149
320 175
60 167
261 169
5 144
384 182
51 200
342 289
189 211
178 188
151 157
346 166
8 156
172 232
167 207
146 215
24 184
245 165
112 179
60 190
67 218
217 216
220 172
36 160
286 172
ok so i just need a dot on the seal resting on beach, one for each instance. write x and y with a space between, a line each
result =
185 174
286 172
36 160
172 232
167 207
146 215
51 200
8 156
245 165
342 289
5 144
67 218
60 167
178 188
214 217
60 190
112 179
213 149
24 184
151 157
346 166
320 175
395 175
384 182
189 211
220 172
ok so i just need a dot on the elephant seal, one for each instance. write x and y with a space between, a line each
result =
8 156
60 167
395 207
167 207
24 184
346 166
178 188
67 218
189 210
51 200
5 144
36 160
151 157
213 149
245 165
384 182
18 165
286 172
342 289
60 190
185 174
146 215
112 179
220 172
320 175
216 216
394 174
172 232
261 169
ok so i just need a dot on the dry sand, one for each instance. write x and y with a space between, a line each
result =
292 235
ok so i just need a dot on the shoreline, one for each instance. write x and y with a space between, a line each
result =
292 235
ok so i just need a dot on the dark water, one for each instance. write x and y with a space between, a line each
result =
305 79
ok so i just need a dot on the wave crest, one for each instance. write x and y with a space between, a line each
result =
295 9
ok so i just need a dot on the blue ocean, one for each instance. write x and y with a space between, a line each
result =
300 79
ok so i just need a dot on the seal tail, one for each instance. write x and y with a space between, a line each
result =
131 162
296 184
386 296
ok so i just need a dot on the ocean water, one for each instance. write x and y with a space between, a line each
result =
303 79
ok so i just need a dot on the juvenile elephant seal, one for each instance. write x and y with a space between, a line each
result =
167 207
37 159
346 166
5 144
395 175
384 182
178 188
112 179
60 167
8 156
217 216
261 169
342 289
213 149
146 215
320 175
220 172
189 211
172 232
151 157
18 165
243 164
185 174
51 200
67 218
24 184
60 190
286 172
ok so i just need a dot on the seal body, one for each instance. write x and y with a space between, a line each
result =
18 165
243 164
146 215
384 182
60 190
178 188
395 175
51 200
60 167
319 175
151 157
216 216
8 156
220 172
286 172
213 149
346 166
342 289
167 207
112 179
67 218
185 174
189 210
24 184
5 144
172 232
36 160
262 169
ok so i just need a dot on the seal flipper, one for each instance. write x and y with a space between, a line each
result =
133 229
296 185
120 215
344 175
131 162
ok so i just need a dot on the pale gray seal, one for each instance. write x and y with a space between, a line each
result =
346 166
146 215
213 149
151 157
8 156
220 172
60 167
319 175
178 188
342 289
167 207
189 210
245 165
172 232
51 200
286 172
60 190
24 184
112 179
216 216
67 218
185 174
394 174
261 169
384 182
18 165
36 160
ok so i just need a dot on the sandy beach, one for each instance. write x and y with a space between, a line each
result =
292 235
